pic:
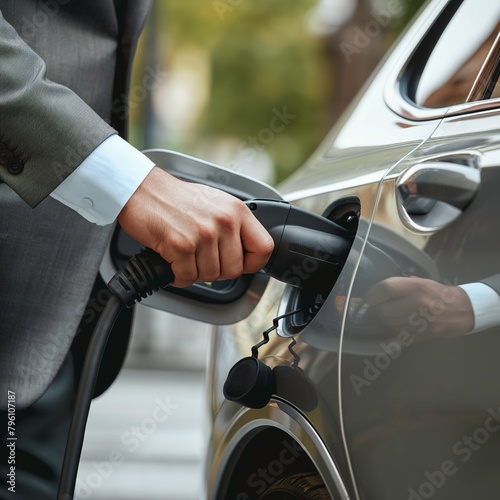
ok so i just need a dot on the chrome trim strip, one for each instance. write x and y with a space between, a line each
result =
485 77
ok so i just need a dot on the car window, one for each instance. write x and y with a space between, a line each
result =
458 55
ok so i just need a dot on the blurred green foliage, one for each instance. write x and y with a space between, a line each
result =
262 56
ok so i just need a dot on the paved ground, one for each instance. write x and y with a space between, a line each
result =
145 437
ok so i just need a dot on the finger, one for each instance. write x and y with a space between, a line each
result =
377 294
257 243
388 289
399 308
396 322
185 271
208 261
231 257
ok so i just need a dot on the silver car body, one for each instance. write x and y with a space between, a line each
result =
392 418
378 414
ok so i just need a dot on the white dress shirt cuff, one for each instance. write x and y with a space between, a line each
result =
103 183
485 304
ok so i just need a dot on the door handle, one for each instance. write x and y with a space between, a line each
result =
432 195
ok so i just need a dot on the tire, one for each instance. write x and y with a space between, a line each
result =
305 486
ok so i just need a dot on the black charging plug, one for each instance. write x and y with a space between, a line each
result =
309 253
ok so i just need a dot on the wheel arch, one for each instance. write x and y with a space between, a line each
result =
284 430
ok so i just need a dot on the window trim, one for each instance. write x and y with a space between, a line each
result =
398 84
486 79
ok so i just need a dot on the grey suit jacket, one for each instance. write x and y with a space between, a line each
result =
493 282
63 75
64 68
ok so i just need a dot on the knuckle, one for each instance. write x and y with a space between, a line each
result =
226 221
207 233
184 246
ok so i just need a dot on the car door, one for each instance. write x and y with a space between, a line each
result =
419 374
388 413
342 179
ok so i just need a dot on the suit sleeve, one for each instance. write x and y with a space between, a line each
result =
46 130
493 282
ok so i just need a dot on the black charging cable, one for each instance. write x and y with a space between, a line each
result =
143 274
299 236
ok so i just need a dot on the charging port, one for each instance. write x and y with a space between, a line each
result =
346 213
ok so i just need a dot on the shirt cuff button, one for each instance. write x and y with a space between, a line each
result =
87 203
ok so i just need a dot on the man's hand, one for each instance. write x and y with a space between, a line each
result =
205 234
422 307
